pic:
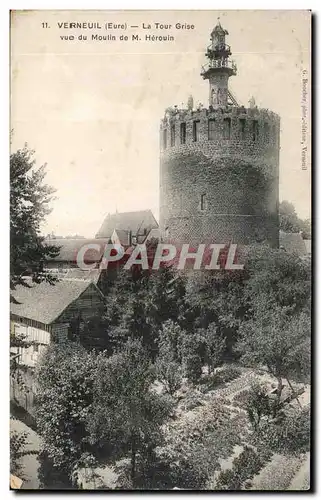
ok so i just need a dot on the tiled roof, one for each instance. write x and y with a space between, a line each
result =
69 248
293 243
44 302
135 222
78 274
122 236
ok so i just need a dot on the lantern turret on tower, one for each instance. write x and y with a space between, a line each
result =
219 68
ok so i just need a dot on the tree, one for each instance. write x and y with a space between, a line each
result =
245 467
168 366
291 223
291 435
29 205
192 353
139 302
278 340
214 346
275 279
65 377
18 442
275 332
126 414
257 405
216 298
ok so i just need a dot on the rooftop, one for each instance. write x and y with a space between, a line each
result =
44 302
136 222
69 248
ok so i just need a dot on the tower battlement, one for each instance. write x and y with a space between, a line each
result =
247 126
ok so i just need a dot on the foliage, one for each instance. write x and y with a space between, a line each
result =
18 441
278 474
258 404
216 298
169 373
290 434
216 380
214 346
52 477
193 447
126 416
65 379
291 223
95 335
279 341
139 302
170 340
276 279
241 398
168 367
29 204
245 467
191 349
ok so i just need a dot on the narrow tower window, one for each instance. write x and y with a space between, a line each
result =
255 130
165 138
211 130
227 128
183 133
196 131
242 128
203 201
173 135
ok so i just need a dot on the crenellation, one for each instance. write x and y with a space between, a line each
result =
243 131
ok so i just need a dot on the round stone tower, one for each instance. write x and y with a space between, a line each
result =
219 166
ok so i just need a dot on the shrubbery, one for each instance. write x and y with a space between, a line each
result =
220 378
288 434
245 467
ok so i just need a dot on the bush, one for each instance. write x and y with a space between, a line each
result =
193 448
192 367
291 435
229 373
170 374
18 441
258 405
245 467
241 398
219 378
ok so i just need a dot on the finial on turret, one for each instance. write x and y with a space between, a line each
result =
252 102
218 30
190 103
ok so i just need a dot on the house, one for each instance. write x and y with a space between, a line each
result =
68 252
44 313
128 227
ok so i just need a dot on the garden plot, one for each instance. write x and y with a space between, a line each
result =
278 473
301 480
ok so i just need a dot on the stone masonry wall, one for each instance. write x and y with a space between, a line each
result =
219 179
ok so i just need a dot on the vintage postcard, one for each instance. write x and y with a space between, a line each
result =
160 223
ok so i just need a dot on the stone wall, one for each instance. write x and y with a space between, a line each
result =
219 179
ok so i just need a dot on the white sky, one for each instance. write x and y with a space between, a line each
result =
91 110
